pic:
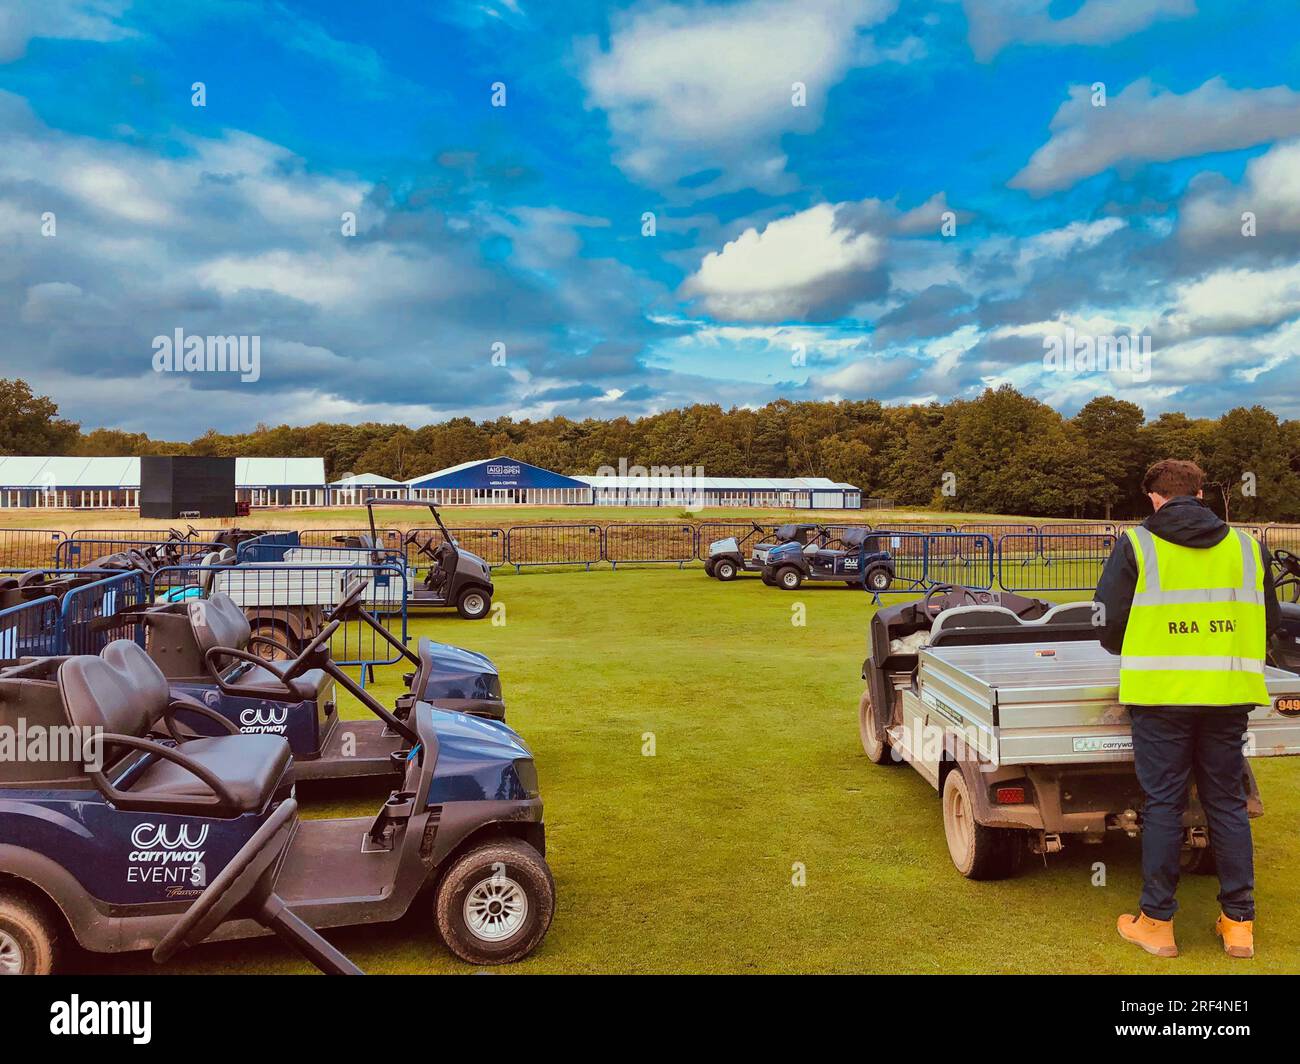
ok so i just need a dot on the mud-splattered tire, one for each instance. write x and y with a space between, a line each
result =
495 903
27 938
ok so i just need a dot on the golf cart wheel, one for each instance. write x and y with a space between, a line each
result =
708 568
27 938
879 579
876 746
495 903
473 604
978 852
1197 862
788 578
725 569
278 633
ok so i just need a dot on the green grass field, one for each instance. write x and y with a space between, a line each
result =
683 861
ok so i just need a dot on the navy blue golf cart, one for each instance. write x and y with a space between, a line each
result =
130 834
207 651
852 556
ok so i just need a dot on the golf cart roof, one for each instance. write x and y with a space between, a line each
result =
372 501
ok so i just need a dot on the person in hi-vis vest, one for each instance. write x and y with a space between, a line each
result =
1188 604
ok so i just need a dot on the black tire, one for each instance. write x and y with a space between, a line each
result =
708 567
875 746
977 852
788 578
879 579
28 938
768 580
725 569
517 866
1198 862
270 629
473 603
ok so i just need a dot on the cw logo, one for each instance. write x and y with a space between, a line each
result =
267 716
156 836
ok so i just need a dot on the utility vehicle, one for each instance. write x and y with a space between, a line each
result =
109 841
852 556
1008 707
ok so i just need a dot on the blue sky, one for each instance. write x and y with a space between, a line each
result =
799 247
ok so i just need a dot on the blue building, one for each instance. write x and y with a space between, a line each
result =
505 481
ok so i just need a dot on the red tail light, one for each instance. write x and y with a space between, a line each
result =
1010 795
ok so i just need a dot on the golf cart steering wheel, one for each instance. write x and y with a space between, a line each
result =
299 664
352 596
933 609
413 538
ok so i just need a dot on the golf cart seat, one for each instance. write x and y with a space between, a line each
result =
975 625
965 618
124 694
218 624
1071 613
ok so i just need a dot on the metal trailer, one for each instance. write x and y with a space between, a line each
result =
1022 733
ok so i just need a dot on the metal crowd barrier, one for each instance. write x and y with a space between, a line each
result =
389 538
554 545
29 548
1286 537
72 552
1066 562
268 547
289 602
488 543
711 531
29 629
650 542
923 559
89 615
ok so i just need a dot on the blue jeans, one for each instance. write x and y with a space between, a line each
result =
1171 746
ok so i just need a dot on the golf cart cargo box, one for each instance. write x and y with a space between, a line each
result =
1058 704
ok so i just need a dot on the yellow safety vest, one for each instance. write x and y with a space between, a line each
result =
1196 635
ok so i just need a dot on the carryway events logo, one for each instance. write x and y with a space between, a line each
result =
133 1019
266 720
167 854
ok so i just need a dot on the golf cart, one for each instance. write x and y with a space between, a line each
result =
455 577
208 652
852 556
1008 707
114 837
727 558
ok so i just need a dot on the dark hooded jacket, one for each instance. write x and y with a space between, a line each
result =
1188 522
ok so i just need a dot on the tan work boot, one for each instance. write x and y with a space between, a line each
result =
1238 935
1154 936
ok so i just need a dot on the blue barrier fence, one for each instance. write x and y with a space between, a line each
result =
29 629
74 553
264 548
1046 562
90 616
924 559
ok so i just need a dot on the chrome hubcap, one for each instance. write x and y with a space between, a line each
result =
473 604
11 955
495 908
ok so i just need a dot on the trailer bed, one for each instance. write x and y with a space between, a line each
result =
1058 704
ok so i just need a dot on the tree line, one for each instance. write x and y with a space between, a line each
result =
1002 452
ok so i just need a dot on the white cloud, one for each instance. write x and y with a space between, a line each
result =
74 20
1235 299
1145 124
1270 189
994 25
794 265
690 89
